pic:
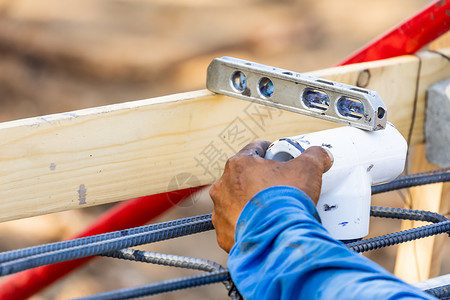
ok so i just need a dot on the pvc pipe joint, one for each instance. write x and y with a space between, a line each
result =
361 159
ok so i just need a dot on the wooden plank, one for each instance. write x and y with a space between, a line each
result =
420 260
441 42
117 152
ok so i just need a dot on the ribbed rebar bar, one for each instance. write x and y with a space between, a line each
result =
165 260
162 287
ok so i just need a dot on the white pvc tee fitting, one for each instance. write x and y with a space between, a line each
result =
361 159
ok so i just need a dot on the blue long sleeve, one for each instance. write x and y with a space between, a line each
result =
283 252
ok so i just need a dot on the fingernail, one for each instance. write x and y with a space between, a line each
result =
329 155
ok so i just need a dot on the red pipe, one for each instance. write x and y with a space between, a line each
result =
408 37
131 213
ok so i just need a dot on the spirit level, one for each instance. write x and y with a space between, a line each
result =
297 92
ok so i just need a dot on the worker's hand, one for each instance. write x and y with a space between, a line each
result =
247 173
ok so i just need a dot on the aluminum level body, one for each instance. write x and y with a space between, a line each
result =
361 159
300 93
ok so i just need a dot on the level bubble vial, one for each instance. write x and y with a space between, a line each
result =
239 81
350 107
265 87
316 99
380 113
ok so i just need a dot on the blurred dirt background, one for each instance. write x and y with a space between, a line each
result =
62 55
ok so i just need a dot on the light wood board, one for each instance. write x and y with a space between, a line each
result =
420 259
113 153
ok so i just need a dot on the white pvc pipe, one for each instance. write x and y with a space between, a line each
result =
361 159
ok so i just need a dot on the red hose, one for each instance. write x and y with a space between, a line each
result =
131 213
407 38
